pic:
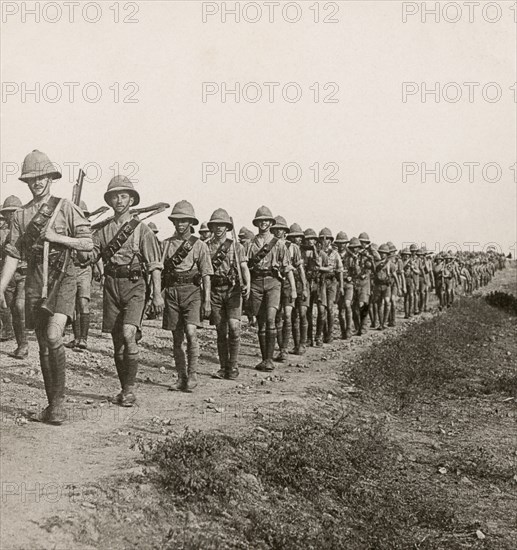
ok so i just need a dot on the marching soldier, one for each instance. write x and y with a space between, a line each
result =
425 279
299 314
15 292
284 314
6 321
128 250
47 219
268 261
186 268
332 277
346 299
410 272
384 276
360 268
83 278
245 236
155 230
413 249
398 283
204 232
227 291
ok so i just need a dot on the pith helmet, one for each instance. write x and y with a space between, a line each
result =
413 248
203 228
37 164
341 238
243 232
249 234
183 210
364 237
354 243
374 246
11 204
263 213
152 227
221 216
326 233
384 249
295 231
121 183
421 251
405 252
280 223
309 233
84 208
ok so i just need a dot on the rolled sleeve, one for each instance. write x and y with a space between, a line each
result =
204 262
13 245
150 249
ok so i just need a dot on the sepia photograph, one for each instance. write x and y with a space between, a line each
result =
258 278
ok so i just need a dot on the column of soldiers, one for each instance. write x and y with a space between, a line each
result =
288 280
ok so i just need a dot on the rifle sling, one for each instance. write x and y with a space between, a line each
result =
220 254
39 221
118 241
262 253
171 264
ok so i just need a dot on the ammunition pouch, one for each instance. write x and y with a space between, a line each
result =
221 280
177 279
133 273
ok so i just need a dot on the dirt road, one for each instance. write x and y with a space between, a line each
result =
47 472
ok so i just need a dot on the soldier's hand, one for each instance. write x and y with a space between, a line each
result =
3 303
48 234
294 294
158 303
206 309
246 292
305 294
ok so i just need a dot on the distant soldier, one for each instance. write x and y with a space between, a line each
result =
83 279
413 249
227 292
268 261
398 284
187 269
313 259
360 269
345 301
332 278
129 251
62 224
410 270
299 314
15 292
425 279
245 236
284 314
155 230
204 232
451 277
384 276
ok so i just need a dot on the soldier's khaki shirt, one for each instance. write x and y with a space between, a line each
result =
229 261
141 246
277 257
197 258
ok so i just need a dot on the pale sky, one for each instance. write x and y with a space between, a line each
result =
169 132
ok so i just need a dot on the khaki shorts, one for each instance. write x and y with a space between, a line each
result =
227 301
61 301
182 306
265 293
84 282
348 295
362 290
123 302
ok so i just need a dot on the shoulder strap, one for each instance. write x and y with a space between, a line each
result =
220 254
119 239
172 263
263 252
40 220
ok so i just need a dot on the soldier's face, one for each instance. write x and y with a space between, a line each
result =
120 201
279 233
264 225
341 247
324 241
219 230
39 186
298 240
182 226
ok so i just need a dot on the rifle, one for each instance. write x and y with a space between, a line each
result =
153 210
64 257
97 213
237 259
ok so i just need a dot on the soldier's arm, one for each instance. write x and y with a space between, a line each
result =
150 250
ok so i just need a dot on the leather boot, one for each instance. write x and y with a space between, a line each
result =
193 359
363 316
84 329
286 339
57 361
127 396
279 336
76 328
234 345
181 369
342 325
22 351
6 324
329 325
295 327
270 350
222 352
303 334
263 351
348 323
319 330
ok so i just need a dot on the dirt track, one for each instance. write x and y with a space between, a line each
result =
45 470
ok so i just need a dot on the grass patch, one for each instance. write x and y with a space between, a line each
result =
304 482
449 354
503 300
